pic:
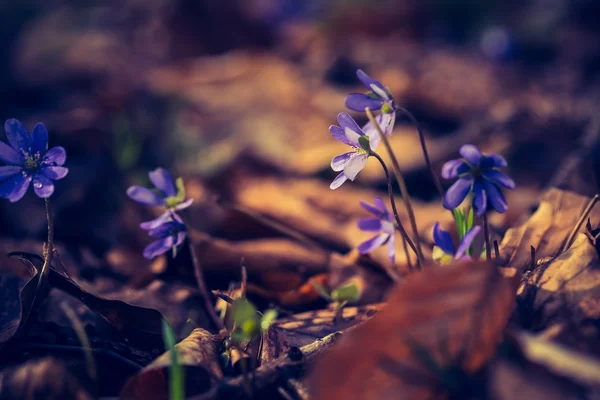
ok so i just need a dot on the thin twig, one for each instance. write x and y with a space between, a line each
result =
436 179
408 261
401 184
486 234
532 262
496 250
210 310
577 226
394 209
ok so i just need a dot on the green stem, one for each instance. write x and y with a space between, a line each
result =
486 234
394 209
401 184
436 179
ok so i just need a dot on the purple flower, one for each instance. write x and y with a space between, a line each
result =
477 173
443 241
28 159
170 234
383 224
352 162
167 193
378 97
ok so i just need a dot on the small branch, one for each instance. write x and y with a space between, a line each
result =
486 234
210 310
496 250
532 262
579 223
436 179
394 209
401 184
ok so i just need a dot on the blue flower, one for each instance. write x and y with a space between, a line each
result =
477 173
352 162
170 234
443 242
28 159
167 193
378 97
383 224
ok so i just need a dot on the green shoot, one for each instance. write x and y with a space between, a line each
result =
177 378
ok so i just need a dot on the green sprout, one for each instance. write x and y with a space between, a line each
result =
339 296
248 321
177 378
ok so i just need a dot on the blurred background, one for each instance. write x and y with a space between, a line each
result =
237 96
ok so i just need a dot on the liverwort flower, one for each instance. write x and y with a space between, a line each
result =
378 97
352 162
167 193
383 224
444 250
477 173
29 160
170 234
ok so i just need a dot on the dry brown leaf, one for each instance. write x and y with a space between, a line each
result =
304 328
45 378
197 353
300 296
459 309
546 230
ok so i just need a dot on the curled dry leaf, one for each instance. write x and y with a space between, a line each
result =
546 230
45 378
300 296
455 314
304 328
137 323
197 353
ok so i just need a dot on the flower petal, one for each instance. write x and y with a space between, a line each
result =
161 178
144 196
338 162
373 243
466 242
379 203
184 205
15 188
392 248
457 193
54 172
386 123
39 141
493 161
442 239
8 171
346 121
480 200
180 238
55 156
156 222
359 101
167 229
9 155
471 153
339 135
499 178
355 165
453 168
17 135
372 84
158 247
42 186
495 196
373 210
338 181
369 224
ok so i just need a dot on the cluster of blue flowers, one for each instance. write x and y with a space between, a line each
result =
477 176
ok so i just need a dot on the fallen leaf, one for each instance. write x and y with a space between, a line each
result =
44 378
199 357
454 314
546 230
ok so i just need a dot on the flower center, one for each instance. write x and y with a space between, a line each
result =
476 171
32 161
172 201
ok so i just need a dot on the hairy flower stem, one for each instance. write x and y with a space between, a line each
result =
394 209
436 179
486 234
202 287
401 184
